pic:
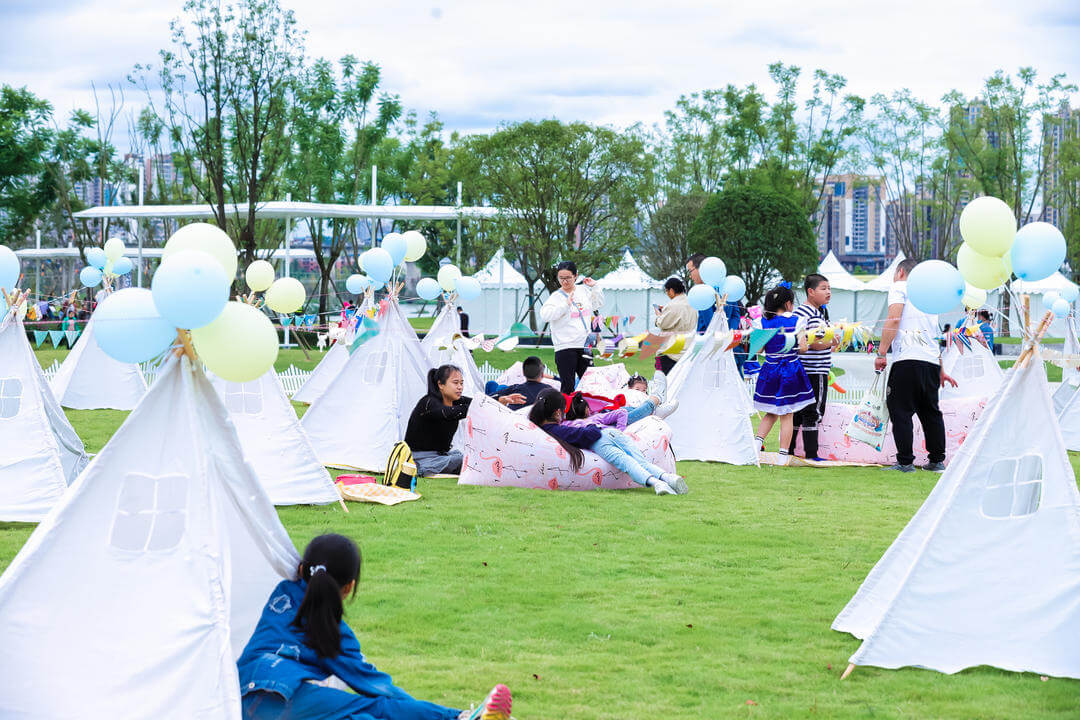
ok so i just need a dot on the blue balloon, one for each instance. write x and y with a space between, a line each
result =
713 272
1038 251
935 287
190 289
128 328
468 288
90 276
378 264
9 268
357 284
1061 307
95 256
734 287
701 297
1071 293
428 288
396 245
122 266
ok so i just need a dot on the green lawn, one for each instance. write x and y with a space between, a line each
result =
617 605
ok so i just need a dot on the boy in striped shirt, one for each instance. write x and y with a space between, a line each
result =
816 361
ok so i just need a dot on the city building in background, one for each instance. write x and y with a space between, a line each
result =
1058 129
851 221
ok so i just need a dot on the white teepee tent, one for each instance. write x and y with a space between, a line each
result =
173 548
1070 373
987 572
1067 396
974 368
331 364
274 443
712 421
366 408
89 379
40 454
436 342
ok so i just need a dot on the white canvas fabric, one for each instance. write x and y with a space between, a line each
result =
40 454
1070 375
273 442
366 408
1067 407
436 343
987 572
975 370
88 379
712 421
136 594
324 373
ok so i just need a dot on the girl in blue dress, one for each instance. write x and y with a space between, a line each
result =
782 387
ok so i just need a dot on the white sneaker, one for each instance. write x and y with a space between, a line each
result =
662 488
675 482
658 385
662 411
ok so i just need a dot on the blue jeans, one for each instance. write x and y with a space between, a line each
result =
621 452
429 462
312 702
640 412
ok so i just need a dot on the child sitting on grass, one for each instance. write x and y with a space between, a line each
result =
302 645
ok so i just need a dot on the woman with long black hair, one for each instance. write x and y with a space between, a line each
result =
569 311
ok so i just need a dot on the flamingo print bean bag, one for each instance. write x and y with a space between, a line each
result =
502 448
960 416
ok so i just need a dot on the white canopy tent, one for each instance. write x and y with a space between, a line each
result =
173 549
985 573
504 297
40 454
1056 282
629 291
884 281
852 299
88 379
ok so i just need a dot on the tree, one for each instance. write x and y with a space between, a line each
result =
227 83
669 229
760 234
569 190
25 137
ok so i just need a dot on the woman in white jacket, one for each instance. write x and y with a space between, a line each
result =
569 312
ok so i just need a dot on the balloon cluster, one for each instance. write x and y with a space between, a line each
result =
379 263
993 250
715 281
106 262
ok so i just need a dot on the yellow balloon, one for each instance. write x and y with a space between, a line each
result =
974 298
114 248
259 275
988 226
980 270
208 238
416 245
447 277
241 345
286 295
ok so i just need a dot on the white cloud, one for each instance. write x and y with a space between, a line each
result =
483 61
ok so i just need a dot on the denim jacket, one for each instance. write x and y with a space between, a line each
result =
277 660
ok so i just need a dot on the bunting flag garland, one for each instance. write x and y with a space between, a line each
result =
286 320
72 336
789 342
39 337
371 329
56 337
759 338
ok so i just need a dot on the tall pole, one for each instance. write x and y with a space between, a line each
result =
288 243
459 224
374 199
37 263
138 230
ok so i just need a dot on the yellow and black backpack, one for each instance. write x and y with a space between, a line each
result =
400 468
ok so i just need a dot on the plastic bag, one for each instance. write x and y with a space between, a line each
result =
871 421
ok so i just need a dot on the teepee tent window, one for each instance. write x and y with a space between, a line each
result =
716 376
244 398
971 366
151 513
375 367
1014 487
10 397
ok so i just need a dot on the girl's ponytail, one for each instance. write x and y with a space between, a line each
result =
330 563
543 410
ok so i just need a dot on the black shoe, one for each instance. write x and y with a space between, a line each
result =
902 468
937 467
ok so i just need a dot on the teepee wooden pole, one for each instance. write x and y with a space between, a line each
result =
1040 331
850 669
185 345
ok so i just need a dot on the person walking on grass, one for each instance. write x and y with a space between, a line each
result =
569 311
916 375
782 387
816 361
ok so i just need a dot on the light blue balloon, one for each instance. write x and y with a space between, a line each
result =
357 284
190 289
1061 307
734 287
122 266
1038 251
378 264
1070 293
95 256
701 297
9 268
397 246
713 271
90 276
935 286
468 288
129 329
428 288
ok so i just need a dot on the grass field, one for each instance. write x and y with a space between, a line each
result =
623 605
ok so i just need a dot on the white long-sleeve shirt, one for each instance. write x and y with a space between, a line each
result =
570 317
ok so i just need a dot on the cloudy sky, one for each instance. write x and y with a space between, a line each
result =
480 62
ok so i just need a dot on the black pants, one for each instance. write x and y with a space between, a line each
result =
571 365
808 418
913 390
666 364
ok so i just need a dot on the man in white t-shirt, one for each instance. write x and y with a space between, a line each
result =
916 375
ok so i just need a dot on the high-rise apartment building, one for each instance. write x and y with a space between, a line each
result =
850 220
1058 129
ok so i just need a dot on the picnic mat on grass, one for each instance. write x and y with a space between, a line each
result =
376 493
771 458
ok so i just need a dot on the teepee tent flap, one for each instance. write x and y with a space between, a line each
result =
88 379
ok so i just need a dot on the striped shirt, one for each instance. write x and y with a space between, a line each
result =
814 362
